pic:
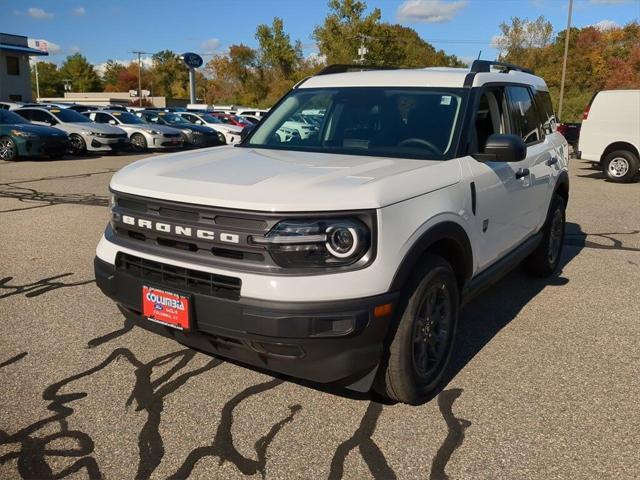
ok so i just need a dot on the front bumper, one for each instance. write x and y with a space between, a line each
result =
323 342
102 144
38 146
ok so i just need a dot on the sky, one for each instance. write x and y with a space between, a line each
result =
112 29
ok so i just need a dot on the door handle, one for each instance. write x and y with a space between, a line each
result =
552 161
523 172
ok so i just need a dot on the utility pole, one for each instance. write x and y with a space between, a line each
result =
139 76
564 60
37 82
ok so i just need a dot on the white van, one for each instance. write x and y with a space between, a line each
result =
610 133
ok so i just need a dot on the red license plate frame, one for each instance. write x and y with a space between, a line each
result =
166 307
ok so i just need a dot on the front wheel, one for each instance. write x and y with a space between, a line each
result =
621 166
544 260
421 344
8 149
78 145
138 142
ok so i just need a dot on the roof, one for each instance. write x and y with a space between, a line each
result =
419 77
21 49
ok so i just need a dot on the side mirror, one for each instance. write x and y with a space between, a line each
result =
112 122
245 132
51 121
503 148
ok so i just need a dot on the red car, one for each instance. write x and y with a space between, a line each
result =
233 119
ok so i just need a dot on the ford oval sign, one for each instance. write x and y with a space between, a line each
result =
192 60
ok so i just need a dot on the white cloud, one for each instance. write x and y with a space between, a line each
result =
210 45
146 63
39 13
604 25
429 11
609 2
79 12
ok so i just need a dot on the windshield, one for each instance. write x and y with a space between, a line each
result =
127 118
210 118
384 121
68 116
7 117
173 118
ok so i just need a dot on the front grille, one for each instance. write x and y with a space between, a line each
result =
171 135
113 135
185 279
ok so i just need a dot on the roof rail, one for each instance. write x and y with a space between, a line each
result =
483 66
343 68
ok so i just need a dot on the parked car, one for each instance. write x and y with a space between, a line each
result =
610 133
11 105
141 135
570 131
250 118
346 258
192 135
19 138
232 119
84 134
84 108
230 133
255 112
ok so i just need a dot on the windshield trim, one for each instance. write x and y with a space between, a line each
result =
455 138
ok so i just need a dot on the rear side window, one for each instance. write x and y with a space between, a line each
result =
524 116
102 118
545 109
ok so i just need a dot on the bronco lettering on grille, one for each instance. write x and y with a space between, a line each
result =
180 230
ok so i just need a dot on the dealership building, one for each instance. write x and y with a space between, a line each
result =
15 73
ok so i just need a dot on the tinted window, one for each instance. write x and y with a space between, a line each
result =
7 117
36 116
127 118
102 118
524 116
71 116
545 109
13 66
386 121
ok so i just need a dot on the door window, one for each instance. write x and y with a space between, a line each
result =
491 117
102 117
545 108
524 116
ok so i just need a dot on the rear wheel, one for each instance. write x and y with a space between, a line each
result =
621 166
544 260
420 349
8 149
78 145
138 142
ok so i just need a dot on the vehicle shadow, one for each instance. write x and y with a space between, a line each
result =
596 173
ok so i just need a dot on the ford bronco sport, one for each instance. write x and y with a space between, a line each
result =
345 256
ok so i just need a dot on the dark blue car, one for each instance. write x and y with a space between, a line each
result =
19 138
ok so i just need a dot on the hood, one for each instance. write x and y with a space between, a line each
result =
283 181
38 129
225 127
153 126
193 127
91 127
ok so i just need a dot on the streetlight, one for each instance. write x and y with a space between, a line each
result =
564 60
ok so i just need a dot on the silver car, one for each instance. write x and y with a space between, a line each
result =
84 135
141 134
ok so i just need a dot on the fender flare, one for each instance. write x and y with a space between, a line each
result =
447 230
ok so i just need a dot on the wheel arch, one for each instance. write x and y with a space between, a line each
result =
619 146
447 239
562 187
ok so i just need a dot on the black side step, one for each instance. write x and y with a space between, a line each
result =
499 269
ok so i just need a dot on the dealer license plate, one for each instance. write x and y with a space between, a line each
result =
168 308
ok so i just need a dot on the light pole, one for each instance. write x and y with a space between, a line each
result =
564 60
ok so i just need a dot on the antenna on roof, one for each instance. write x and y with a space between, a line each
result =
479 53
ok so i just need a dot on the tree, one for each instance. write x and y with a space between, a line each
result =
80 73
111 71
49 79
276 50
522 35
168 76
343 30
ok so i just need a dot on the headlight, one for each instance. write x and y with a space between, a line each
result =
195 132
317 243
154 132
87 132
112 201
20 133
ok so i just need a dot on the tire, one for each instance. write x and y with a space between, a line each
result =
78 145
138 142
8 149
621 166
406 373
544 260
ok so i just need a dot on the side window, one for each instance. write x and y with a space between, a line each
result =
524 116
102 118
191 118
26 114
545 108
39 116
491 117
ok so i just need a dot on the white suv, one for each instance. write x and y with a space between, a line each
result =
345 256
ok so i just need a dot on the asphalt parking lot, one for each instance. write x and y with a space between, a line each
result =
545 384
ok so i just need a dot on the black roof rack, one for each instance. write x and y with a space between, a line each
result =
343 68
483 66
